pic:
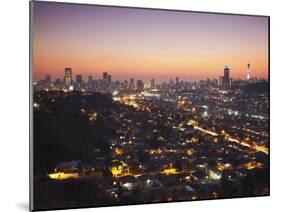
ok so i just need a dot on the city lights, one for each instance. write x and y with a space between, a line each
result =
156 134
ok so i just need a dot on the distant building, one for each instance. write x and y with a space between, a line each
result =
104 76
79 80
140 85
152 83
132 84
48 80
176 85
106 79
226 80
230 82
215 82
67 76
125 84
171 83
220 81
248 71
57 82
90 82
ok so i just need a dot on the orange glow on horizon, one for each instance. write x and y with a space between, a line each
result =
162 45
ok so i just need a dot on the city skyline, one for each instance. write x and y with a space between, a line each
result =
146 44
73 77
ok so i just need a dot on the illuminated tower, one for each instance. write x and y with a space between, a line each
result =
248 71
226 80
67 76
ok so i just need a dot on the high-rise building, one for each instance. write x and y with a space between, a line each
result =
90 82
220 82
125 84
214 82
226 72
48 79
57 82
177 83
104 76
226 80
67 76
177 80
152 83
106 79
131 84
79 78
140 85
248 71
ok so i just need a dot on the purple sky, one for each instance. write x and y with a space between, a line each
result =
145 44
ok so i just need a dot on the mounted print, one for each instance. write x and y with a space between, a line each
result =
136 105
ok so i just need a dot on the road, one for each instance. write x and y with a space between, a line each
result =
254 146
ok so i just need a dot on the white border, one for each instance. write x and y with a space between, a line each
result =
14 104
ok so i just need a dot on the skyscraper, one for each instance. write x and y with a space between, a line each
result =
226 80
67 76
248 71
140 85
58 81
177 83
79 80
125 84
220 81
131 84
90 81
104 76
48 79
152 83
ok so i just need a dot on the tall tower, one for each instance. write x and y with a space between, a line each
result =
131 84
152 83
226 79
177 83
67 76
105 75
140 85
248 71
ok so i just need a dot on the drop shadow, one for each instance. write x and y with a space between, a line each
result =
23 206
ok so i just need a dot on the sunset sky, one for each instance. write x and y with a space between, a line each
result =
145 44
